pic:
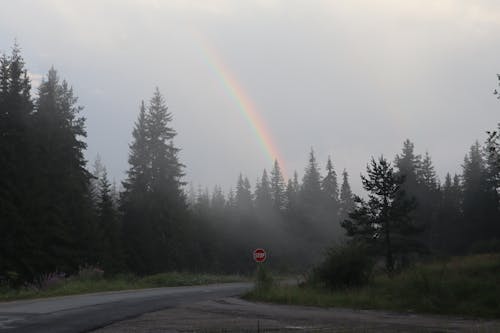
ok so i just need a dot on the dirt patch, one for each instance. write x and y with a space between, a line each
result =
236 315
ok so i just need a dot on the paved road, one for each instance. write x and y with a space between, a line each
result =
82 313
209 309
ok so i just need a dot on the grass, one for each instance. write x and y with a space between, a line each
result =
82 285
467 286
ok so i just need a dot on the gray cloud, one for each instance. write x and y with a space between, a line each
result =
350 78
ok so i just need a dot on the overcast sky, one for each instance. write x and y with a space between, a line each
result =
350 78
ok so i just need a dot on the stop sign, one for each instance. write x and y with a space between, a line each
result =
259 255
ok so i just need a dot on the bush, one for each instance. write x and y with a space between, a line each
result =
347 265
264 279
88 273
486 246
48 281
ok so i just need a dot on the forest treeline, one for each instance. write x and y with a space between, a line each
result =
58 214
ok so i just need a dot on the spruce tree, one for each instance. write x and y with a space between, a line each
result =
66 234
218 201
138 160
153 202
203 201
292 195
109 228
277 188
480 204
346 202
330 188
310 192
263 194
243 196
17 166
449 229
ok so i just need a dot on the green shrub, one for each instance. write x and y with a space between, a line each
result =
487 246
264 279
347 265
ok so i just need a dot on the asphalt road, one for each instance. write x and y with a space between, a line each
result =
83 313
211 308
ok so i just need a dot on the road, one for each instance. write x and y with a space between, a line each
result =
82 313
212 308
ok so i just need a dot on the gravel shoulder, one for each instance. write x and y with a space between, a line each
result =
232 314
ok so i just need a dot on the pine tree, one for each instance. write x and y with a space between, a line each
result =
427 175
243 197
292 195
330 188
97 172
66 235
263 194
383 221
480 204
408 165
310 192
218 202
277 188
153 202
203 201
165 168
422 185
231 201
111 250
428 199
492 153
139 161
17 166
449 230
346 203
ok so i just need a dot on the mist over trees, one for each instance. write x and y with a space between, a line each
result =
58 213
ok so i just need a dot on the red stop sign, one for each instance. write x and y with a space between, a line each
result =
259 255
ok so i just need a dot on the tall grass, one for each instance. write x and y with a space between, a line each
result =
467 286
88 283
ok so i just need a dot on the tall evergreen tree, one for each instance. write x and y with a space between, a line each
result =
153 202
330 188
422 185
427 175
16 166
97 173
66 232
310 192
109 229
408 164
166 170
203 201
243 197
277 187
492 153
218 200
346 202
263 194
480 204
138 160
292 194
383 221
428 196
449 229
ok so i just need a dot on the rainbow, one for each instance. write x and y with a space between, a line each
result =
245 105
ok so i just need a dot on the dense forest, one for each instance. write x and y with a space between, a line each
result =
57 213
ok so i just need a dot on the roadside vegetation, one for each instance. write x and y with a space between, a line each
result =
468 286
90 279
